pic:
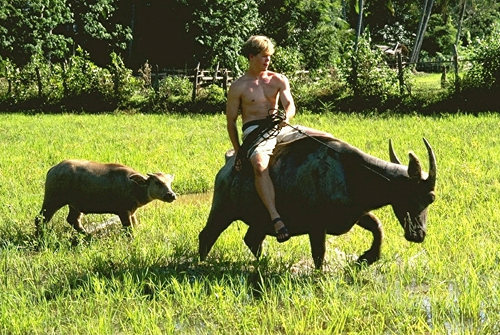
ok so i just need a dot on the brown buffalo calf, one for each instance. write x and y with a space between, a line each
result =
91 187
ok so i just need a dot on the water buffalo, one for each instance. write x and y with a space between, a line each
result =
91 187
324 189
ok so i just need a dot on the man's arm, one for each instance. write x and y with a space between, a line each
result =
232 107
286 98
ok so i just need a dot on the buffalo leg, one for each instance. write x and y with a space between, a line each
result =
253 239
372 224
73 219
317 240
216 224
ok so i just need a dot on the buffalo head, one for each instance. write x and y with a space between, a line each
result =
414 195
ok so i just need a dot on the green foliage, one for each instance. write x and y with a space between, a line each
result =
124 84
97 25
481 83
485 70
440 35
175 90
287 60
312 27
370 78
220 27
318 91
27 28
482 17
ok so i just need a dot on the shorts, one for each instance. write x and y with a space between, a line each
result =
266 142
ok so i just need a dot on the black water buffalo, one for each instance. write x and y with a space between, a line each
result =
91 187
324 189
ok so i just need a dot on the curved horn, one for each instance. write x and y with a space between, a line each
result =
392 154
432 164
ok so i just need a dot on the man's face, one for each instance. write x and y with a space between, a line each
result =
260 61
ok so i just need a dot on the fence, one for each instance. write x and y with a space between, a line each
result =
198 76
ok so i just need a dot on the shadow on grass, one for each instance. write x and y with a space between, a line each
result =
180 265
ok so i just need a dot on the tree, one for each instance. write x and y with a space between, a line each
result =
27 28
426 13
97 29
315 28
220 27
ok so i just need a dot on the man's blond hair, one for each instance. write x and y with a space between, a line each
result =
256 44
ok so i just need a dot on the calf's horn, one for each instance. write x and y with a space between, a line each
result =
392 154
432 164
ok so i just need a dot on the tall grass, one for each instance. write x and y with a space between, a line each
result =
153 283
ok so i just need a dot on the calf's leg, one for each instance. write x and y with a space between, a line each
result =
73 219
371 223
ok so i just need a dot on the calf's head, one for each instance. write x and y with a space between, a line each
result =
159 185
414 195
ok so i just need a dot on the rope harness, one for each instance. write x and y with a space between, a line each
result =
271 126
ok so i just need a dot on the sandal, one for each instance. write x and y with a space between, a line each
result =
282 234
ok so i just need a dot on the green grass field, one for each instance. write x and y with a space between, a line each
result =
154 283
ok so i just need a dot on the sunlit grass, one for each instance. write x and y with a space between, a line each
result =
154 284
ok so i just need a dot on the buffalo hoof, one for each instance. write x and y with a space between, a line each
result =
368 258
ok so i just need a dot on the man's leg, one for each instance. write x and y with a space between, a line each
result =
265 190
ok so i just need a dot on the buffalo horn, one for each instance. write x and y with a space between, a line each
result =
392 154
432 164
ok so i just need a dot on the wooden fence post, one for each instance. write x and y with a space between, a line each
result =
195 81
156 81
39 81
400 74
64 78
225 80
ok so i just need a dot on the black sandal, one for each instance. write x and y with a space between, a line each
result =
283 231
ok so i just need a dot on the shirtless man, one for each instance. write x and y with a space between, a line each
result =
256 93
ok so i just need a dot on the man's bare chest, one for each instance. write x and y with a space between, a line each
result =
260 93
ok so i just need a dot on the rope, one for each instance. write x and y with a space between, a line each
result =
280 115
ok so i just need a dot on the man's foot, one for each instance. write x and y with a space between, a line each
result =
282 234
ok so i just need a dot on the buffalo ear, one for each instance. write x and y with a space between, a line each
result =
414 167
138 178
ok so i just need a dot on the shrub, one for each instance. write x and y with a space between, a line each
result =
374 80
481 83
287 60
485 70
175 90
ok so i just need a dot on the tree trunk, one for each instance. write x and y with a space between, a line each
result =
426 14
459 29
355 56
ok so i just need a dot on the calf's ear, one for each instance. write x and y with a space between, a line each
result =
138 178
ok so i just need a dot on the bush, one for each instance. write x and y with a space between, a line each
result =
481 83
318 90
372 80
485 70
287 60
175 90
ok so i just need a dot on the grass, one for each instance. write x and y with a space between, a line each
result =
154 284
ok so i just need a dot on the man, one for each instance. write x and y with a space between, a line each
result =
257 93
